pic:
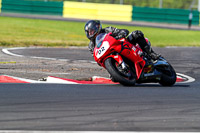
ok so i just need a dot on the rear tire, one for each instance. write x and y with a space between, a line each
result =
168 77
126 79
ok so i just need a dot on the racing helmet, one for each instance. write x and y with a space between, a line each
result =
92 28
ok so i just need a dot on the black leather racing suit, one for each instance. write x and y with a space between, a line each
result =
135 37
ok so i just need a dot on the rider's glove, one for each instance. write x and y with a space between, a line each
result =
121 34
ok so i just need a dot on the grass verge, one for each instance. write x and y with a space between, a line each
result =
21 32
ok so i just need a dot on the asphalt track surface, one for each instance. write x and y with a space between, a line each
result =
144 107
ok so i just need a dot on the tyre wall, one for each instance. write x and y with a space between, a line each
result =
110 12
113 12
162 15
32 7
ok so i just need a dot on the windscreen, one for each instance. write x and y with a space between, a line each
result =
99 39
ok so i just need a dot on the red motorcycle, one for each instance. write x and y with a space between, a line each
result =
126 63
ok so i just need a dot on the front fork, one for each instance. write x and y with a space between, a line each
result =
139 65
118 58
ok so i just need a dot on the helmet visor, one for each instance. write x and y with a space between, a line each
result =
91 32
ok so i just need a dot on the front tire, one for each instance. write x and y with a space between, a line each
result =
126 78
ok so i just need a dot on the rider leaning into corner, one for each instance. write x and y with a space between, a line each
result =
94 27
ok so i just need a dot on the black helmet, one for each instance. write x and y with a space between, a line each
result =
92 28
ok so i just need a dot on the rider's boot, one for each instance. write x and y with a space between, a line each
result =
148 62
151 53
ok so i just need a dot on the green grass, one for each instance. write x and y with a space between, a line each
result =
34 32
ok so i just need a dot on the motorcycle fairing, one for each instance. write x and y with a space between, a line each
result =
133 53
109 44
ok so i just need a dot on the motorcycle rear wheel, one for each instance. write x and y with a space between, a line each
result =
168 77
124 78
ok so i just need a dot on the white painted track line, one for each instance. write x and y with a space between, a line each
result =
25 131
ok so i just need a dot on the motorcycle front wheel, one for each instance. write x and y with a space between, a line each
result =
125 76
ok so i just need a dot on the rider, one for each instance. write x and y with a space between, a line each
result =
93 28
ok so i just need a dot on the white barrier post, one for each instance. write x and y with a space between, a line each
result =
199 5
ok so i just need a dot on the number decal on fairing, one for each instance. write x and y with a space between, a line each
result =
101 50
104 47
